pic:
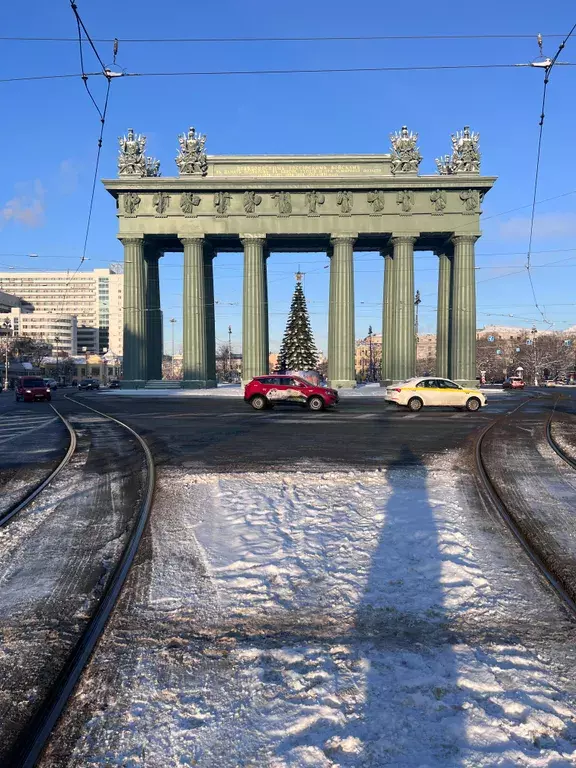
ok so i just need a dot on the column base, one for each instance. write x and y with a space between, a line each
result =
211 383
468 383
342 383
132 383
195 384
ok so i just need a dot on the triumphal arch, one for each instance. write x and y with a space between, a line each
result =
337 204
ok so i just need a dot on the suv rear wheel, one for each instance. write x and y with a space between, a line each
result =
316 403
258 402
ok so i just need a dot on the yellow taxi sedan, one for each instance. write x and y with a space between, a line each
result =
430 390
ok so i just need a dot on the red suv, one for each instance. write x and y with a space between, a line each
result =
266 391
30 388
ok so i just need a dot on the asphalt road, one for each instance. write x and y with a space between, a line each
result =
32 441
223 434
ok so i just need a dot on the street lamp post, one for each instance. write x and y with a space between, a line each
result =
370 359
230 352
57 340
7 328
172 323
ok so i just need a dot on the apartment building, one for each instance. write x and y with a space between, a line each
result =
58 330
95 298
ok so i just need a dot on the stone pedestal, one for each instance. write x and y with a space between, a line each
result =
254 309
463 353
134 364
341 342
194 363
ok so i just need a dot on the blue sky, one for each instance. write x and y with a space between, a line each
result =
49 132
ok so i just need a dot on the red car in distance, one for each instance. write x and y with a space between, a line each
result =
267 391
30 388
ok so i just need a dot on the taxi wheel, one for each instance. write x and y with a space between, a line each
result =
258 402
415 404
473 404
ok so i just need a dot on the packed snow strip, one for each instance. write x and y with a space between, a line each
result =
342 619
236 390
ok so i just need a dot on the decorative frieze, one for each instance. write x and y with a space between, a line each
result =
222 202
313 200
345 200
250 201
160 201
471 199
284 202
131 201
189 201
405 199
438 200
377 200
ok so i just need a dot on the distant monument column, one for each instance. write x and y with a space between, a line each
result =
254 308
209 255
443 316
153 313
341 342
403 346
194 363
134 358
387 317
464 311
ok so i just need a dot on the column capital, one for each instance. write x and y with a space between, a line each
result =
253 239
131 239
403 237
464 237
348 238
192 240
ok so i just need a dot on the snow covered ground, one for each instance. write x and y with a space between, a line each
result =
236 390
339 619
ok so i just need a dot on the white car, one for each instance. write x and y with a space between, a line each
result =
432 390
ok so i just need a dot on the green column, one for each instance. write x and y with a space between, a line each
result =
153 313
194 364
210 320
341 346
443 314
463 361
254 309
403 363
134 356
387 317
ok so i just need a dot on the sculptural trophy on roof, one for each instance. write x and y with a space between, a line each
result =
406 156
131 159
192 155
465 157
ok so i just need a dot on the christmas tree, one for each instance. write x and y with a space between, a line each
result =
298 350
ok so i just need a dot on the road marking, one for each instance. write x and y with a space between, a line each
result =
22 432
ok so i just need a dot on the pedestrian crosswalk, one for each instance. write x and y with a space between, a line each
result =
16 425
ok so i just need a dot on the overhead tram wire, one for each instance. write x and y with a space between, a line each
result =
250 72
102 115
548 65
306 39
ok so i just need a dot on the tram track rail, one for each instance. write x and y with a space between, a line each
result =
37 489
556 447
34 737
492 493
